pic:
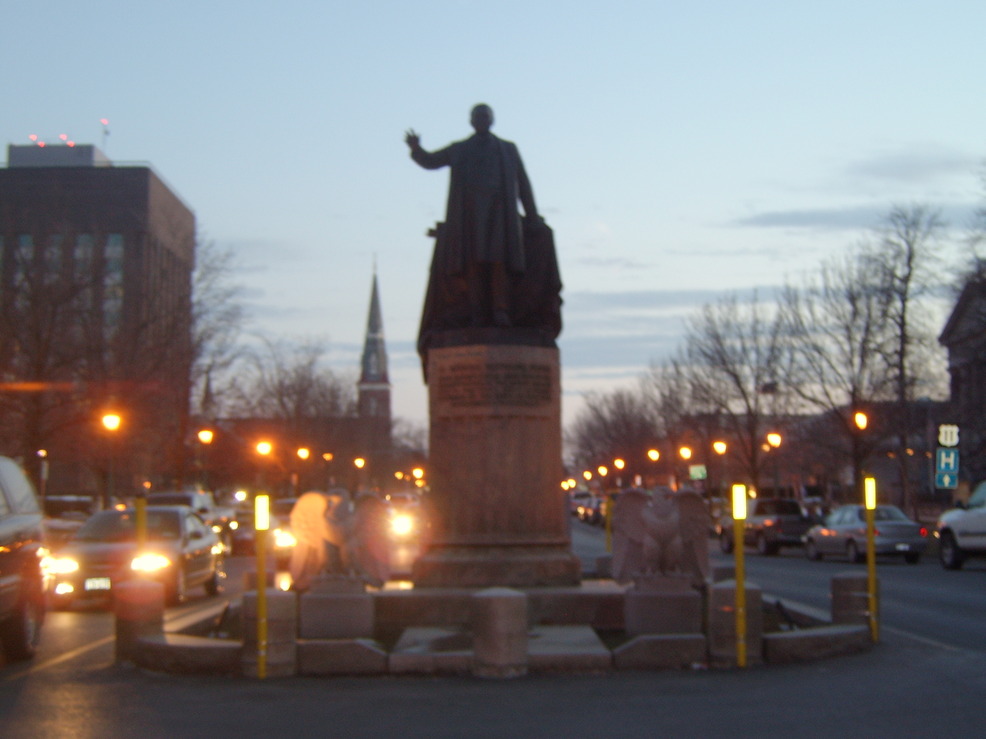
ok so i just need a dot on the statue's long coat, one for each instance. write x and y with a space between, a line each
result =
482 221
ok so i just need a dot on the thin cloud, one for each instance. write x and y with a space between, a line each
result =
918 164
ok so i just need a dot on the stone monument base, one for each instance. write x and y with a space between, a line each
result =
480 567
500 516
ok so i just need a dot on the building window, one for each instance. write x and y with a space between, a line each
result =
113 284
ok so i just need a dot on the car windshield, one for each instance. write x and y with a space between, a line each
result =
116 526
883 513
169 499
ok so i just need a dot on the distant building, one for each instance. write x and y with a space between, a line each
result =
373 388
331 443
964 337
96 266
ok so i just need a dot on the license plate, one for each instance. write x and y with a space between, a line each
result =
97 583
903 547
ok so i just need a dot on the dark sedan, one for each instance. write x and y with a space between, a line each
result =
843 534
180 551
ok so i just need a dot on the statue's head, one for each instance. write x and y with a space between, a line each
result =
481 118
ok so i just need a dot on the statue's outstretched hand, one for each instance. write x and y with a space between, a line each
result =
412 139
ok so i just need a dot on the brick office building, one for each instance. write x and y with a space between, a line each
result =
96 268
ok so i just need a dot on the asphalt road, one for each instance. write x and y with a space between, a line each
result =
910 685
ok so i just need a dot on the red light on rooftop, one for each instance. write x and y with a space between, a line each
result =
105 121
33 137
63 136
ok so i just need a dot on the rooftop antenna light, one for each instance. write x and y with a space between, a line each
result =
106 131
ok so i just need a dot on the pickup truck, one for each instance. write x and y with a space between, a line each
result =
961 531
220 518
771 523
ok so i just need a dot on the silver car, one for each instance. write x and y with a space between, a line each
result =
843 534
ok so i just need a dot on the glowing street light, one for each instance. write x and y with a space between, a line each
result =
653 455
861 420
719 447
304 453
685 452
359 463
112 422
206 436
264 448
774 439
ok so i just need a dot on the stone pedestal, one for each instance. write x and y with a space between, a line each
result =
499 513
722 624
850 598
499 626
281 657
650 611
335 608
138 608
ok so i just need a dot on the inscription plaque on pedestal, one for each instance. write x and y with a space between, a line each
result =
495 457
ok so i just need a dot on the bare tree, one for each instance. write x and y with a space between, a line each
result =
905 262
836 328
737 362
617 425
289 384
217 321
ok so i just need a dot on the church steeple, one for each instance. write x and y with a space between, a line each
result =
374 384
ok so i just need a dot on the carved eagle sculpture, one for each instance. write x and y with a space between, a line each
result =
341 539
663 534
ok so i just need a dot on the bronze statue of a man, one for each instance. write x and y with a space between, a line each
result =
484 235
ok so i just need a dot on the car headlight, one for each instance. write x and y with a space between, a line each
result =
149 563
59 565
401 524
284 539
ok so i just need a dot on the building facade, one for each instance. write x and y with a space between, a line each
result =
96 265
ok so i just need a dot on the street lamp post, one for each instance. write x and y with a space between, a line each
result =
111 422
774 442
720 448
205 437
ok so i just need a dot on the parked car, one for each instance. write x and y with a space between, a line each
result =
405 514
843 534
22 550
771 523
578 499
181 552
962 530
280 539
222 519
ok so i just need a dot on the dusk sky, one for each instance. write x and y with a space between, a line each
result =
678 150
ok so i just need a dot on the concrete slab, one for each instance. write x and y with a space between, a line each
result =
567 649
341 657
432 650
661 652
189 655
818 642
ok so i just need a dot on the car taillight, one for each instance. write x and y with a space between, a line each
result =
768 522
923 532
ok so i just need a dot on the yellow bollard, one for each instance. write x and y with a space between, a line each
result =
140 521
869 501
261 518
607 523
739 519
